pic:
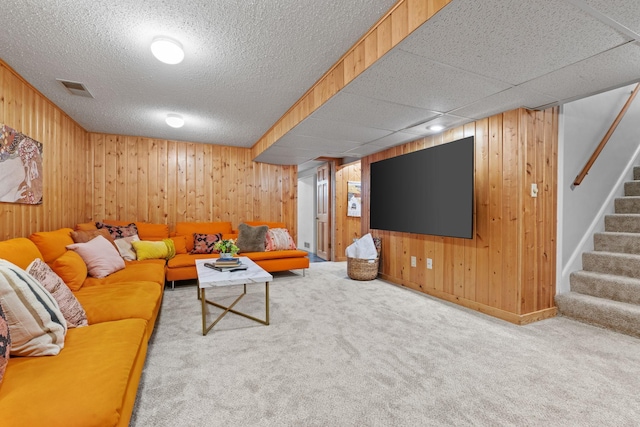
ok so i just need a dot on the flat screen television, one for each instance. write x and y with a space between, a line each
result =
429 191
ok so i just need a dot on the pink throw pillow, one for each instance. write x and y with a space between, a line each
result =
69 305
101 257
279 239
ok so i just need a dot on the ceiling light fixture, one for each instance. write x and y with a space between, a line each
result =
167 50
175 120
436 128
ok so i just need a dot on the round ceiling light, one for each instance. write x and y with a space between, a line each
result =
175 120
167 50
436 128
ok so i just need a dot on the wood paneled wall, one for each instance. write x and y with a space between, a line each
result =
508 268
404 17
65 159
160 181
347 227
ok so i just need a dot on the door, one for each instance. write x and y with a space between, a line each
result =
323 216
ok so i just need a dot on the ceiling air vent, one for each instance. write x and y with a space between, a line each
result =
76 88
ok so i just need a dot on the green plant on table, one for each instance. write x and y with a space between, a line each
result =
226 246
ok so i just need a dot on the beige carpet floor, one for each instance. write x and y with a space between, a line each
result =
345 353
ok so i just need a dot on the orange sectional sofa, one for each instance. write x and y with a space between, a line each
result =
94 379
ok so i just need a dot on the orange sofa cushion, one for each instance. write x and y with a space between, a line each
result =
125 300
92 378
188 228
188 260
155 232
259 256
180 243
151 270
71 269
269 224
20 251
52 244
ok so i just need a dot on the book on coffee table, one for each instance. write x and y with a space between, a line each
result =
226 262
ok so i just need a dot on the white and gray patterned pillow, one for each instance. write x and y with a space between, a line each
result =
36 323
69 305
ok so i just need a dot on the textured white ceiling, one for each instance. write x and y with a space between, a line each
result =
477 58
246 62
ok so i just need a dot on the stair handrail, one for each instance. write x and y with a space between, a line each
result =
607 136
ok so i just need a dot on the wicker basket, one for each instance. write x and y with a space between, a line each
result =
362 269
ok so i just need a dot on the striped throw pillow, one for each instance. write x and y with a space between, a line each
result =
279 239
36 324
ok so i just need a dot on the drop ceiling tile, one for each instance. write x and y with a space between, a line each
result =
314 143
394 139
331 129
517 41
408 79
611 69
447 121
624 12
286 156
370 112
365 150
509 99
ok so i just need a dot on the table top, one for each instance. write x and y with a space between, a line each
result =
208 277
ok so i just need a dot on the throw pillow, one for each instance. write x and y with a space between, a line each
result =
83 236
279 239
126 248
119 231
5 343
251 239
69 305
100 256
36 325
71 269
203 243
154 250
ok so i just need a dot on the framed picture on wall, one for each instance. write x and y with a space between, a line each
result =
20 168
354 200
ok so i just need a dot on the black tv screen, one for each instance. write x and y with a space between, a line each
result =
429 191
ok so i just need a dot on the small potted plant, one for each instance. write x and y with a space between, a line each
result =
227 248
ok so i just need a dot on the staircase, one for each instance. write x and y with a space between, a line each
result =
607 291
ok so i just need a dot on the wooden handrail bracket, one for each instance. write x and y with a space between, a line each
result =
600 147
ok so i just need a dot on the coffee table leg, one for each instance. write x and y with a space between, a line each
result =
203 300
266 291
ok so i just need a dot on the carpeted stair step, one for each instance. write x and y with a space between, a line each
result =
612 263
630 204
632 188
616 288
614 315
626 223
636 172
617 242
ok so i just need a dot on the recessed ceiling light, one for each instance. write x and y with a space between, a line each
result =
175 120
167 50
436 128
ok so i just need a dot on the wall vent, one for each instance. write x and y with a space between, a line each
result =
75 88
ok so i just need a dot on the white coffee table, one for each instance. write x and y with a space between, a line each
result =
210 278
